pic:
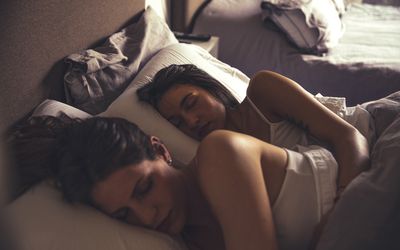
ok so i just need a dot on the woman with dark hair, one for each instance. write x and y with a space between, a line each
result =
276 110
111 164
222 200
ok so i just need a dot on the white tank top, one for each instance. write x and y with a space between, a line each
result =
285 134
310 184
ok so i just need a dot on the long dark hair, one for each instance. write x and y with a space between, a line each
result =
75 153
164 79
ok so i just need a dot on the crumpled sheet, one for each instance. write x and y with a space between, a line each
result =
368 214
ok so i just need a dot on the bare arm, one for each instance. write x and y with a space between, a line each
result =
284 98
231 178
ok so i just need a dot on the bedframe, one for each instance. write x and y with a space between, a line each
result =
88 58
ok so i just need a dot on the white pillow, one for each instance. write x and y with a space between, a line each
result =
55 108
128 106
41 219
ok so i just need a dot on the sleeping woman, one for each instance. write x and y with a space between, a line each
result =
222 200
276 110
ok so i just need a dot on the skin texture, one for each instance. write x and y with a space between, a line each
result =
236 173
349 146
278 98
151 194
192 109
203 198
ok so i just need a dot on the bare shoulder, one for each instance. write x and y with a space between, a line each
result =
219 138
265 79
238 150
268 90
229 170
219 143
222 146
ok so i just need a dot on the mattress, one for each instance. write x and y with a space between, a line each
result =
364 66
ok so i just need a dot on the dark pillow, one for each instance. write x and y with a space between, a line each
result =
95 77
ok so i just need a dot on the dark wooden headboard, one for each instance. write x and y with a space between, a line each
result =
35 37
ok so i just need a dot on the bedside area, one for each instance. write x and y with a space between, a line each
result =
211 45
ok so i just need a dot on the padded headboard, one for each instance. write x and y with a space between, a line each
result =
35 37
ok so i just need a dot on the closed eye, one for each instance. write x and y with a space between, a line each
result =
189 101
143 188
121 214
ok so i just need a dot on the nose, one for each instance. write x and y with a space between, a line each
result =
191 120
143 214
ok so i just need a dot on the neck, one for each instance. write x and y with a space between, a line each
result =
199 212
233 120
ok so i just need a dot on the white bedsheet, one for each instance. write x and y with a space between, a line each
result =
364 66
372 37
367 216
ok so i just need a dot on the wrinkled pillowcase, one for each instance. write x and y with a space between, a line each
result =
95 77
127 105
41 219
313 26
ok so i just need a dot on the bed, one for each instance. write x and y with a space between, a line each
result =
364 65
57 58
36 38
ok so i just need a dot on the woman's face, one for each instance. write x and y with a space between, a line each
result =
150 194
192 109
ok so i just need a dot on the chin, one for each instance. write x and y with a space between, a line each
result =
178 225
177 228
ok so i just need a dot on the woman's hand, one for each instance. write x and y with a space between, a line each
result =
280 96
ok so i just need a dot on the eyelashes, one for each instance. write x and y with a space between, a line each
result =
143 188
121 214
188 103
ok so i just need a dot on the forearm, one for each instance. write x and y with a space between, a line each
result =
352 154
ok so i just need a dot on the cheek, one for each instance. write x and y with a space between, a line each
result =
175 183
170 184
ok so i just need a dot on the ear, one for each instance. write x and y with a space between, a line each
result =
161 149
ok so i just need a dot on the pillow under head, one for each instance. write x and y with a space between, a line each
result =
41 219
128 106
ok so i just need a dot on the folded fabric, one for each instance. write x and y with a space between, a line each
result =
335 104
313 26
95 77
367 216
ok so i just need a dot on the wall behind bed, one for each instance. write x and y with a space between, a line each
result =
35 37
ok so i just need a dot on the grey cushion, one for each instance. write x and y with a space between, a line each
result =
97 76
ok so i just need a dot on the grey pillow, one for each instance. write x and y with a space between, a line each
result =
313 26
95 77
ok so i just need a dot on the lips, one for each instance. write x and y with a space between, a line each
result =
165 223
204 130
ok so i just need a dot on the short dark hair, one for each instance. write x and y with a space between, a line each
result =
76 153
184 74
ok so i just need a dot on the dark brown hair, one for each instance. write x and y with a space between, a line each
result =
76 153
184 74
